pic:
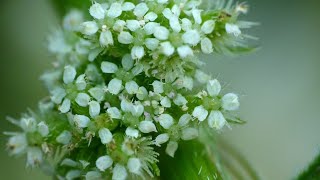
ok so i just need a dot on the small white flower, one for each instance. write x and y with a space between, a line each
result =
97 11
184 120
161 33
172 147
114 113
64 137
119 25
157 87
186 24
208 27
43 129
89 28
17 144
166 48
152 43
233 29
97 93
34 157
213 87
133 25
180 100
140 10
65 106
126 106
216 120
106 38
115 10
69 74
28 124
206 46
165 102
132 87
132 132
105 135
175 24
191 37
81 121
200 112
81 82
125 37
134 165
162 138
166 121
187 83
137 52
104 162
93 175
72 20
137 110
142 93
94 108
230 102
185 51
189 134
115 86
147 127
127 62
119 172
82 99
108 67
128 6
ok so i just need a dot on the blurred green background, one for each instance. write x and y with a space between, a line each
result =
279 85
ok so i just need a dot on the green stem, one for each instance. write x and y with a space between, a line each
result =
312 172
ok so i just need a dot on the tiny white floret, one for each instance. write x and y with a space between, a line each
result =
147 127
166 121
230 102
134 165
104 162
81 121
200 113
105 135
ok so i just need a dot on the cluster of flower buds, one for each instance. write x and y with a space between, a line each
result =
125 84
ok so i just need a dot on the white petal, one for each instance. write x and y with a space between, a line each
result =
172 148
142 93
105 135
196 13
89 28
157 87
165 102
202 77
104 162
34 156
140 10
189 134
200 113
175 24
97 93
128 6
65 106
147 127
188 83
162 138
94 108
106 38
132 132
213 87
125 38
167 48
114 113
233 29
127 62
206 46
115 86
69 74
81 121
150 16
126 106
137 110
119 172
230 102
133 25
73 174
43 129
180 100
18 144
208 26
93 175
108 67
134 165
119 25
137 52
152 43
186 24
57 95
97 11
150 27
184 120
161 33
167 13
64 137
82 99
185 51
191 37
81 82
115 10
166 121
132 87
216 120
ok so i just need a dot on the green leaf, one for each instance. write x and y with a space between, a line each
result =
312 172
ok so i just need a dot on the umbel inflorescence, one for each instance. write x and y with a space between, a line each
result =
127 82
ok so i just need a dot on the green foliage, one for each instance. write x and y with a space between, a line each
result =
312 172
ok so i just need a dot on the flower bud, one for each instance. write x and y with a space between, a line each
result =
105 135
104 162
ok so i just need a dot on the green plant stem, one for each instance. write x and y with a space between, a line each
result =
312 172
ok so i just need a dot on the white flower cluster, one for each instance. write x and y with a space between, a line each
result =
104 104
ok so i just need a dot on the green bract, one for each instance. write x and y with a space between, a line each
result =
127 83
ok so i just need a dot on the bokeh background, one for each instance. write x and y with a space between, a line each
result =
279 84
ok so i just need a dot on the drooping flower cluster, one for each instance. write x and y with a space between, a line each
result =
126 83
